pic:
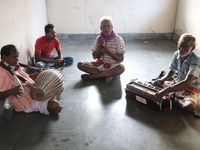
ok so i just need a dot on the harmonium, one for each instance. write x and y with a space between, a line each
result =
144 93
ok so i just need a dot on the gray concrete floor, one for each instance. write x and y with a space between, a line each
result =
97 116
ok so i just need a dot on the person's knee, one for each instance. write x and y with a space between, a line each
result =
80 65
189 106
40 64
53 106
121 69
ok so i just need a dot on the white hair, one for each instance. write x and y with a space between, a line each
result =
108 18
187 37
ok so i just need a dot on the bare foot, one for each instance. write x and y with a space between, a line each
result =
85 76
197 111
109 79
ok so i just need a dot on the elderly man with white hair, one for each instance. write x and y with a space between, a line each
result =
108 50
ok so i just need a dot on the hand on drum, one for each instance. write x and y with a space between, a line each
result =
16 91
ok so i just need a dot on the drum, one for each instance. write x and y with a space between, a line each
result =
48 84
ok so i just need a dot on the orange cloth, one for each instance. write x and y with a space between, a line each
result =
192 89
7 82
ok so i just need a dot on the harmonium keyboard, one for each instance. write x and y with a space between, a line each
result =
144 92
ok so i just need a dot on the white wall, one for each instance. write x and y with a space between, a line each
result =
129 16
21 23
187 19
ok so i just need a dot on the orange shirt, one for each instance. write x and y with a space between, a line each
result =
46 48
7 82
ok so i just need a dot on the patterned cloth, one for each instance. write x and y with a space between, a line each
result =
187 96
102 67
116 45
106 38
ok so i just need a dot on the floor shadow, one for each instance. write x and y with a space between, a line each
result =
191 120
162 122
16 127
171 124
109 92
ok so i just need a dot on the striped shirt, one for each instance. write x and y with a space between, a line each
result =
190 67
116 45
7 82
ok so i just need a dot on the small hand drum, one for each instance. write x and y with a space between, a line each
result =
48 84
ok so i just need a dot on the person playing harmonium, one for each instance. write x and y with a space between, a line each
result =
108 50
14 87
186 85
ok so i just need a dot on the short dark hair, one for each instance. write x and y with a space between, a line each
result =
5 50
47 27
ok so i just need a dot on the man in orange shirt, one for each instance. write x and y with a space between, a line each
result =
44 47
19 95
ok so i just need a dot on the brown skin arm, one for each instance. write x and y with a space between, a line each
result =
96 54
16 91
34 75
59 54
160 82
56 61
118 58
175 87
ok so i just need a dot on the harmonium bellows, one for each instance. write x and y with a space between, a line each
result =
144 93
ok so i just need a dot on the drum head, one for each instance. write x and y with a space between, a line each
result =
38 94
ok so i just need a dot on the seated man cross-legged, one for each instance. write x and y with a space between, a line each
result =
108 50
44 47
186 85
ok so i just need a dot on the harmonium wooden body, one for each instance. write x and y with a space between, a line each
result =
144 93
